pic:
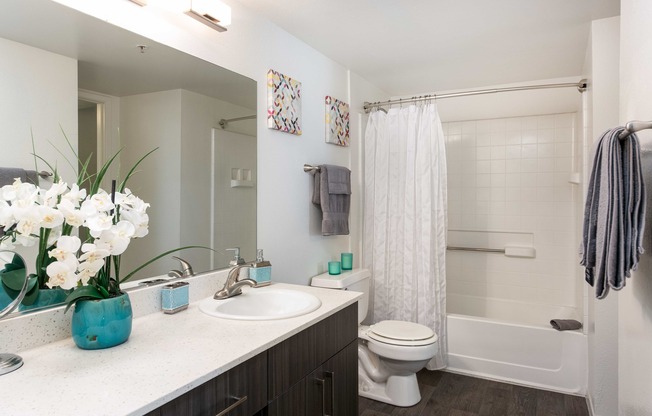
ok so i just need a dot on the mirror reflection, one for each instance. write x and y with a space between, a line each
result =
14 283
108 90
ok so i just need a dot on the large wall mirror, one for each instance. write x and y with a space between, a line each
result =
106 89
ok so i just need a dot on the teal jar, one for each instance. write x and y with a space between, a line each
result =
102 323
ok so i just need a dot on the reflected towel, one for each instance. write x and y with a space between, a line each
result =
565 324
9 175
614 215
332 193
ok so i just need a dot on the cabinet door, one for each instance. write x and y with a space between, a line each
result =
332 389
290 403
209 398
248 380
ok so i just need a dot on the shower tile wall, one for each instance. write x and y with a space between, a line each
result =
512 174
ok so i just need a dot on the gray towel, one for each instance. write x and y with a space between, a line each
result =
31 176
9 175
565 324
614 215
332 193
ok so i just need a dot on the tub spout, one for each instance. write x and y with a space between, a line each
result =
371 364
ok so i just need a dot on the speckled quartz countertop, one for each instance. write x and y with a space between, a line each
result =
165 356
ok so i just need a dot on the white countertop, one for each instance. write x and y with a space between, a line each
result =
165 356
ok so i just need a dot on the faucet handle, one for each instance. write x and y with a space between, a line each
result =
186 268
237 260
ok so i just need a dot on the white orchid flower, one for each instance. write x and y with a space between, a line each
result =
51 196
72 216
99 223
92 253
75 195
10 192
6 214
102 201
55 233
62 275
85 275
66 244
50 217
139 220
28 225
112 242
26 240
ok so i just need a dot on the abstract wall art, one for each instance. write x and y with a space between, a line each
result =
337 122
284 103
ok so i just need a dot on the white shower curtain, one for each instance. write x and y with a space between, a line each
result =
405 211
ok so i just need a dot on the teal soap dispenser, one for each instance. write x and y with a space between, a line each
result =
261 270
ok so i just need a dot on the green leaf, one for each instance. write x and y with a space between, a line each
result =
32 294
82 293
102 172
127 277
123 185
15 279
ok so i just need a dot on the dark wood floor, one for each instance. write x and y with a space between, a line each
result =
448 394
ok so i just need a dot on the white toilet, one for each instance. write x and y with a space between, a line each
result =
390 353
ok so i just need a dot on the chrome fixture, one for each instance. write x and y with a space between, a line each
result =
186 269
581 87
233 286
310 168
212 13
12 362
633 127
480 249
223 122
237 260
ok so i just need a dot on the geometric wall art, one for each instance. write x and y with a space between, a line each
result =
283 103
337 122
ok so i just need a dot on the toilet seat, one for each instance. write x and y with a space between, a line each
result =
401 333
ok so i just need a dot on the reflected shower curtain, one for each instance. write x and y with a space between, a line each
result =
405 214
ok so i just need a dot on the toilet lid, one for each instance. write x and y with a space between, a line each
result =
402 333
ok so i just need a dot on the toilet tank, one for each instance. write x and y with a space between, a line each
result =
356 280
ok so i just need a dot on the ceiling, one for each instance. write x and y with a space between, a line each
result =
419 46
109 60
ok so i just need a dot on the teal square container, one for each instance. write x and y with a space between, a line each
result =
175 297
262 275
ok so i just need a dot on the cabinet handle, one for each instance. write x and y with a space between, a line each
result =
331 376
239 401
322 384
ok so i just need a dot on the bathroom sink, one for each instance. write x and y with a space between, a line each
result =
262 304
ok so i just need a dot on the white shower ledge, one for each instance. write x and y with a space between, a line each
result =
166 356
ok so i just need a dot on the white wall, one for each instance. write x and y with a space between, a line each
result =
148 121
635 300
287 222
200 114
601 113
39 97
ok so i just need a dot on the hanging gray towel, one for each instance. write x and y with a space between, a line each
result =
31 176
9 175
332 193
565 324
614 215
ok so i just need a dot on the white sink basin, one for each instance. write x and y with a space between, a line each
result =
262 304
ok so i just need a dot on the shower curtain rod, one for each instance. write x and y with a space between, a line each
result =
581 87
223 122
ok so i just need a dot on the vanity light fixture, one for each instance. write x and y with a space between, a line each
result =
139 2
212 13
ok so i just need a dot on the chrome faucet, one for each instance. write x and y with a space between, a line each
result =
186 269
233 286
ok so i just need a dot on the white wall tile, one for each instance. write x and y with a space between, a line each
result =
512 174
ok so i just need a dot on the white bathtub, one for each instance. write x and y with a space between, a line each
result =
513 342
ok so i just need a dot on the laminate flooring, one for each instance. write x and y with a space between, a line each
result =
449 394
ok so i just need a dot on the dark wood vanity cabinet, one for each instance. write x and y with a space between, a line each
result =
314 372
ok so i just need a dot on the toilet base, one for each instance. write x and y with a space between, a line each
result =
402 391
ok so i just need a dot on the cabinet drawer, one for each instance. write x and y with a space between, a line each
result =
298 356
248 379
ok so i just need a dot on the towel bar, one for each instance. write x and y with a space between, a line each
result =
310 168
633 127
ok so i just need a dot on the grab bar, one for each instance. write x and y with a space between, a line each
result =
483 250
509 251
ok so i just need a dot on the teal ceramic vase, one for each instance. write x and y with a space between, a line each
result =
102 323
